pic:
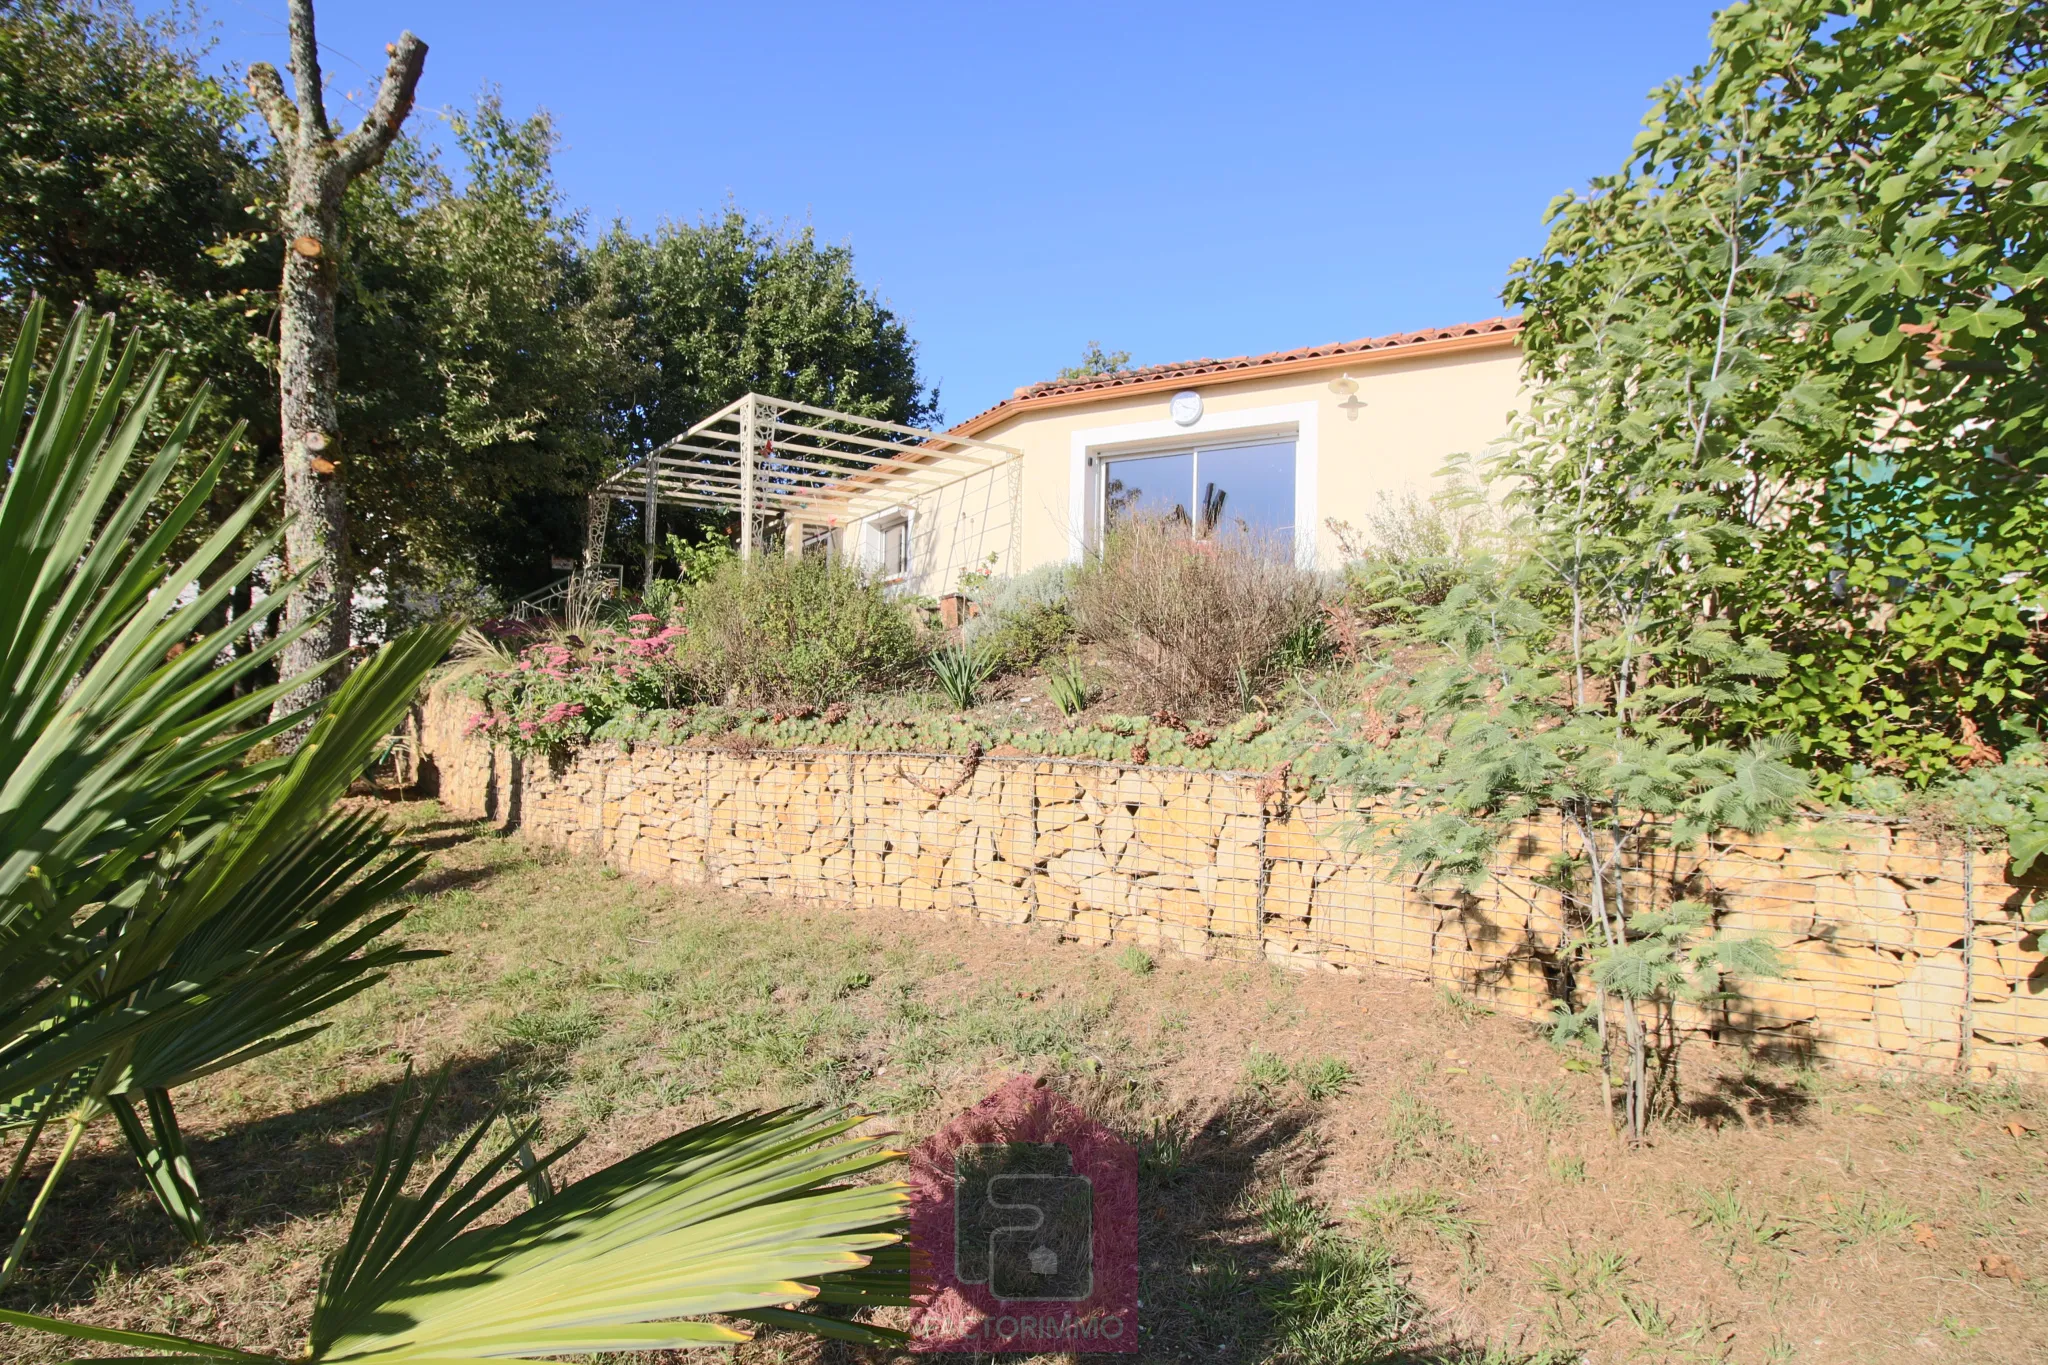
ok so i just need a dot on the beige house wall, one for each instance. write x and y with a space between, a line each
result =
1411 413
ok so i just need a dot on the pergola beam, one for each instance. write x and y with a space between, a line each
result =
898 451
919 433
758 455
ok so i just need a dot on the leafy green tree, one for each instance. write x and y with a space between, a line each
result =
481 366
723 307
127 185
1788 375
1095 361
123 174
494 364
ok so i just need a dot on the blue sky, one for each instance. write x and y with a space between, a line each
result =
1175 181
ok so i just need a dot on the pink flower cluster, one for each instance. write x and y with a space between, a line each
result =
550 660
559 690
654 646
554 715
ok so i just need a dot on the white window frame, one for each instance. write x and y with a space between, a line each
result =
875 542
1092 447
820 540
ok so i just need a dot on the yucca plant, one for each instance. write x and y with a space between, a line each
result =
168 906
961 670
1068 688
747 1217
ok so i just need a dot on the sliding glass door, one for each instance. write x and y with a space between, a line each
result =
1215 491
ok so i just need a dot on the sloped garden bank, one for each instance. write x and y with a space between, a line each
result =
1901 952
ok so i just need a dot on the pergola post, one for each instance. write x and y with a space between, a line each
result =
597 519
792 535
649 515
750 442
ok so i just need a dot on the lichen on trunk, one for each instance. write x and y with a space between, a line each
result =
319 167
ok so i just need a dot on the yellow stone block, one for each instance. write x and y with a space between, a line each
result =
1093 926
1234 909
1073 868
1931 999
1052 789
1767 1003
1288 888
2020 1017
1292 839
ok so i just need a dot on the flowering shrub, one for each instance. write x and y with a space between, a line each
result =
564 687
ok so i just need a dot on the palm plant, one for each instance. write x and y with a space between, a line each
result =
961 670
168 905
746 1217
171 906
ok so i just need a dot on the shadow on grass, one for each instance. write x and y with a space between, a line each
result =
309 1163
1208 1268
434 836
1748 1100
435 881
1236 1264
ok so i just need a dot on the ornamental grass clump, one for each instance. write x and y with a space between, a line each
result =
1190 623
961 670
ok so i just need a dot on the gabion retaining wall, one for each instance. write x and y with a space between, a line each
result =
1903 953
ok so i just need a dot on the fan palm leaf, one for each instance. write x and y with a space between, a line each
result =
114 739
743 1217
167 906
274 909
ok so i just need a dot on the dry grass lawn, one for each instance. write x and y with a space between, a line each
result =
1336 1168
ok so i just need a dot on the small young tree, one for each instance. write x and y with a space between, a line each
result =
1528 714
1095 361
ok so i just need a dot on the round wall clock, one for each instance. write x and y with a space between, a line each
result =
1186 408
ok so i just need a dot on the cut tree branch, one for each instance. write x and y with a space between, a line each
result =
306 74
365 147
266 87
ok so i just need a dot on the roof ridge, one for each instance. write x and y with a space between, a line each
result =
1147 374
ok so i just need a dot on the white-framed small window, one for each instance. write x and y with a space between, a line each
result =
892 545
821 541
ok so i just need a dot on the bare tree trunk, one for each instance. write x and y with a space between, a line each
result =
319 167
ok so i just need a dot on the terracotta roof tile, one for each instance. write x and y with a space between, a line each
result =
1197 369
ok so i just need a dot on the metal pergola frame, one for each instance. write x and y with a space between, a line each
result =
763 457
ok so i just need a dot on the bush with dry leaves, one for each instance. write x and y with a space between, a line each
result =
1192 625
